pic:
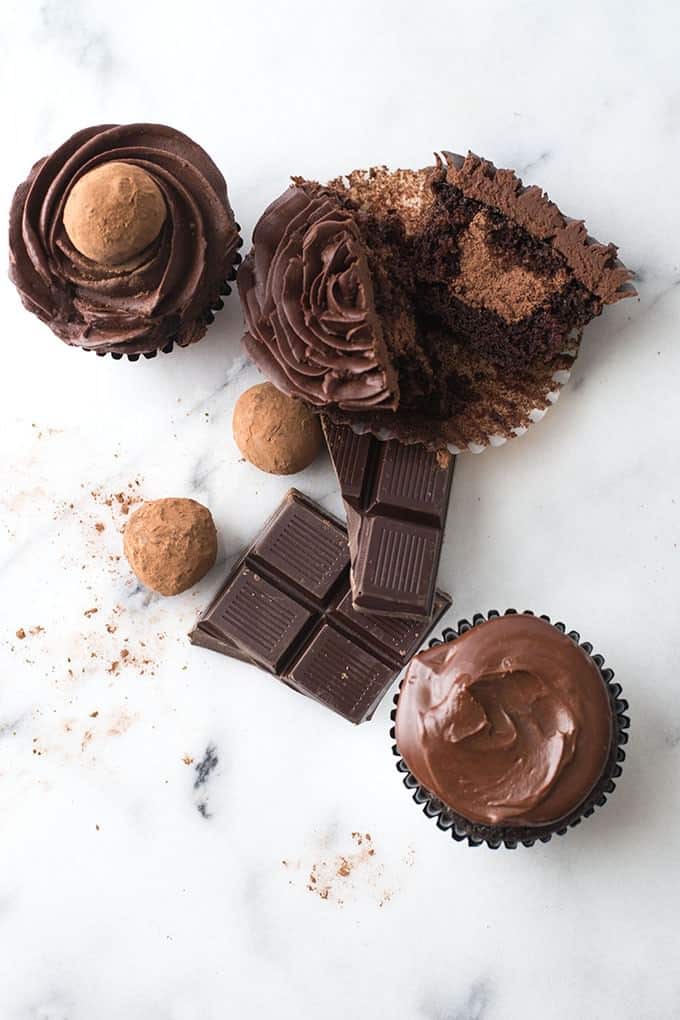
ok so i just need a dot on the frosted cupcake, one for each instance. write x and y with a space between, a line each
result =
510 730
442 306
123 240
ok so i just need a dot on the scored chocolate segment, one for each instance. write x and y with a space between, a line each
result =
280 619
308 551
395 566
396 497
346 677
286 607
395 638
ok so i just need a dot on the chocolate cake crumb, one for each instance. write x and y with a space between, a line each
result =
482 287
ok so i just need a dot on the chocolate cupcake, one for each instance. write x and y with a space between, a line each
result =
442 306
123 240
509 730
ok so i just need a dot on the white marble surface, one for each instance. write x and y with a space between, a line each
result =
128 889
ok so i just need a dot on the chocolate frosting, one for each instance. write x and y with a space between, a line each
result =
480 292
509 725
308 300
594 264
164 294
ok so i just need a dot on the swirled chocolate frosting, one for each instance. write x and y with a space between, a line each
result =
165 293
443 305
508 725
307 295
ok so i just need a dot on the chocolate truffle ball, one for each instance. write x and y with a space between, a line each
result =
170 544
114 212
276 433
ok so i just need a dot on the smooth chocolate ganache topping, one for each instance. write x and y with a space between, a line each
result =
508 725
123 238
308 300
473 291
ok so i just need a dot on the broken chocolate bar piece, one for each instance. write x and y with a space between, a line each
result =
286 606
396 497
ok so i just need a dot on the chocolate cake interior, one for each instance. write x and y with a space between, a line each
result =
478 312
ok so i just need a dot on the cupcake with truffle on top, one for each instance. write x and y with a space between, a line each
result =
123 240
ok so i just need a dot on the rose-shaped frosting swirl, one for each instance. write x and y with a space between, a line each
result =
510 724
163 295
308 300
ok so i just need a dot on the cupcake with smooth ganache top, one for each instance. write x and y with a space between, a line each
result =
509 730
123 240
443 305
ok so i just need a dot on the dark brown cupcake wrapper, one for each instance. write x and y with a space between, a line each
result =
208 316
510 836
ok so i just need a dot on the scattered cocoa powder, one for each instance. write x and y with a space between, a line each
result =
347 875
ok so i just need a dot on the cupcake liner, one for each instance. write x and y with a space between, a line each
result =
509 836
510 428
208 316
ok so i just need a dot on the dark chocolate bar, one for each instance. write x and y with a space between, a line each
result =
396 497
286 606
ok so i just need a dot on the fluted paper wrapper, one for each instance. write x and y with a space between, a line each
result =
508 836
506 417
208 316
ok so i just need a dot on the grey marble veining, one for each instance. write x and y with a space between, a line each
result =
185 839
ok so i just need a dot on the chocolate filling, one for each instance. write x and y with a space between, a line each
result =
442 305
466 287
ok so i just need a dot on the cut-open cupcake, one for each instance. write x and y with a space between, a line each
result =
443 305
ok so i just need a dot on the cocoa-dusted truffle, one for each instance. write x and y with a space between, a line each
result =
114 212
76 227
276 433
170 544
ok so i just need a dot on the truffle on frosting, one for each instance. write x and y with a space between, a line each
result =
275 432
67 267
470 292
114 212
170 544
